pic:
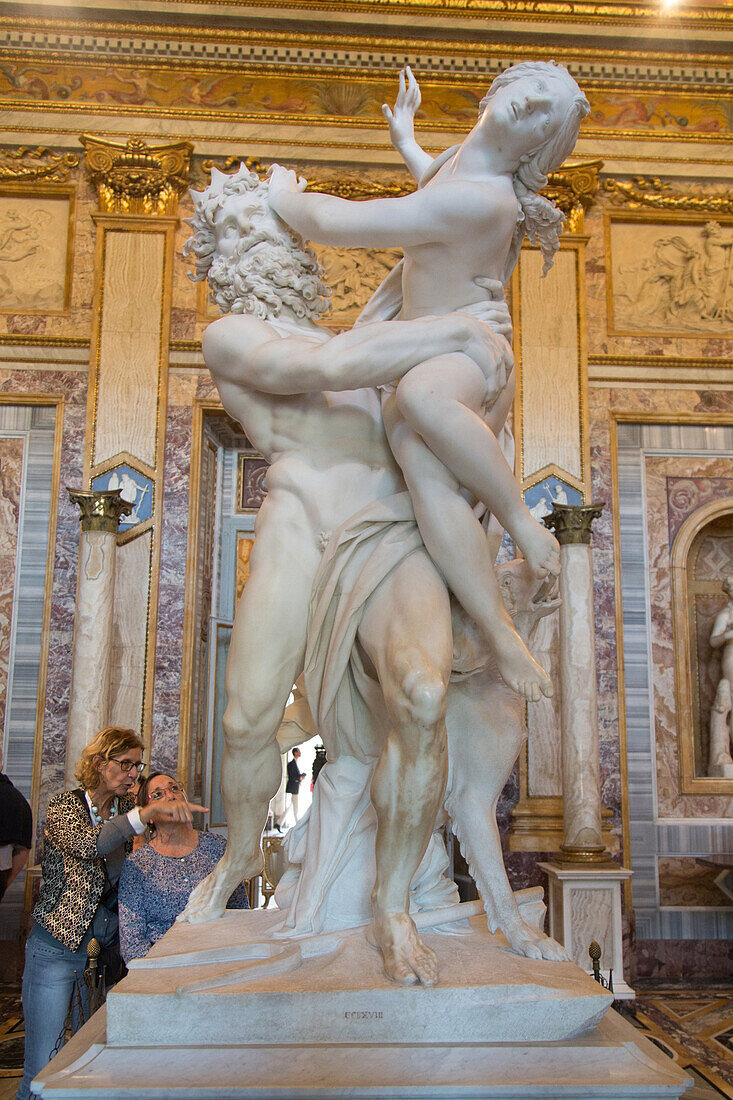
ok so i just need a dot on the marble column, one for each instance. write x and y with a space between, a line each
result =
89 692
581 781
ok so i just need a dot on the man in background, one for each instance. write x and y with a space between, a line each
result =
16 832
295 775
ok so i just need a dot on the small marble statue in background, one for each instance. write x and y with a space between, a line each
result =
720 759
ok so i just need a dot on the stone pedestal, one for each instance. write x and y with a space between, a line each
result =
585 905
95 592
228 1010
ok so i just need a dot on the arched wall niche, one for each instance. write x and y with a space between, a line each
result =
702 557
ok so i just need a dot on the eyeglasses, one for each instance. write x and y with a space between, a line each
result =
161 792
130 766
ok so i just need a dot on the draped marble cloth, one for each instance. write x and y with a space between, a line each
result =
331 849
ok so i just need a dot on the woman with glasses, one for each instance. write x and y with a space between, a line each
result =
85 837
156 880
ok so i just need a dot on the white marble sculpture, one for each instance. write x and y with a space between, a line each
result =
720 760
351 575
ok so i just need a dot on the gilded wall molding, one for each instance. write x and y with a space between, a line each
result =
650 192
560 10
32 165
137 178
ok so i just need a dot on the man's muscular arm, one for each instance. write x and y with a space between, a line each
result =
245 351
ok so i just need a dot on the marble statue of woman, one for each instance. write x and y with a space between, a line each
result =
468 217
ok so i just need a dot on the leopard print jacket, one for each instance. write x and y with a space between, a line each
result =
73 871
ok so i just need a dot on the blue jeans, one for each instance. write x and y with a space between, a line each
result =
51 972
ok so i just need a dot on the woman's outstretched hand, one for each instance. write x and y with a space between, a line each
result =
401 119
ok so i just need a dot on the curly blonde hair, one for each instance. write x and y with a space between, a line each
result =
110 742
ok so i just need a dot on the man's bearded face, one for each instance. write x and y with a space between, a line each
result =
259 265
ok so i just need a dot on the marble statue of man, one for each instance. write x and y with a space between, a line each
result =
404 629
721 733
276 373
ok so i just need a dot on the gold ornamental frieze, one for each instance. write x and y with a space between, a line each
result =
574 188
643 192
25 164
137 178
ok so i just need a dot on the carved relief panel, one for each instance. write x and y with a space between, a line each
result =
669 275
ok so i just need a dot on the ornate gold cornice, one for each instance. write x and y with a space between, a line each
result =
385 49
642 192
561 10
572 523
137 178
99 510
28 165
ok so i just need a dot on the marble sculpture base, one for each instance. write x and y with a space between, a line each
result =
497 1025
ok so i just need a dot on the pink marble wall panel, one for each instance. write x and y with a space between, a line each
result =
657 472
169 644
686 494
11 487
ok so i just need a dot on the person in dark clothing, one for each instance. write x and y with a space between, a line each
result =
293 786
16 832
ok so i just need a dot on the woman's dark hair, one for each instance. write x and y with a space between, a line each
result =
142 794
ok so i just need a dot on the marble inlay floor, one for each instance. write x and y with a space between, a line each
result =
694 1028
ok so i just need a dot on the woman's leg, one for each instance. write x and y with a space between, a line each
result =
459 548
50 974
442 399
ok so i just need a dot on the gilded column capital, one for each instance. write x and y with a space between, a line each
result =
572 522
99 510
137 178
574 188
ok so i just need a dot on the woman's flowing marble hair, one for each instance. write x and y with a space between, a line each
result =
272 267
540 219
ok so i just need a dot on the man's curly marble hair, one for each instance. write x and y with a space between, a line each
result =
272 266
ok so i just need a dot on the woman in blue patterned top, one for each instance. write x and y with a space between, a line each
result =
157 879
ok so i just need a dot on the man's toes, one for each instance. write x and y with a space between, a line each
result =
426 967
547 688
401 973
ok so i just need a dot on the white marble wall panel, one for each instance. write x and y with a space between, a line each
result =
127 402
550 364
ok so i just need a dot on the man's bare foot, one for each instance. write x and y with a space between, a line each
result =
533 944
517 666
407 960
539 546
209 900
